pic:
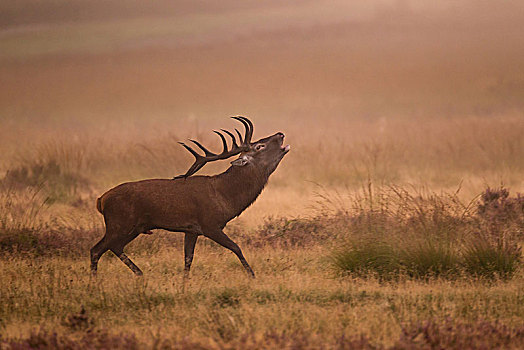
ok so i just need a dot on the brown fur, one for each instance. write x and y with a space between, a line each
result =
196 205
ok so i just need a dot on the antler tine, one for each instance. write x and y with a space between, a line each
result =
199 162
192 151
206 151
224 142
239 136
232 138
249 129
194 168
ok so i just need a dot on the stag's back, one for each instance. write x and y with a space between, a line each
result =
161 203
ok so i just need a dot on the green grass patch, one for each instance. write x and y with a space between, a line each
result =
390 232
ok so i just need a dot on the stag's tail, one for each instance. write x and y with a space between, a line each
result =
99 206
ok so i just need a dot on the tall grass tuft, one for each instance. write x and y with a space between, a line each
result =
429 259
58 184
389 231
363 258
20 218
482 258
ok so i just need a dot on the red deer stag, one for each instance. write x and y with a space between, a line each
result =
195 205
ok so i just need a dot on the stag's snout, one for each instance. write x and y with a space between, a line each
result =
280 136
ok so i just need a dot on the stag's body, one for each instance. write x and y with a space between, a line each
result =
174 205
194 205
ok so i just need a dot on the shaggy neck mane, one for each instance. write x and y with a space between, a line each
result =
241 186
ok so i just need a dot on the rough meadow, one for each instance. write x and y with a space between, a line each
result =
396 221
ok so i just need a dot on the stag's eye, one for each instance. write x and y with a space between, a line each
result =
259 147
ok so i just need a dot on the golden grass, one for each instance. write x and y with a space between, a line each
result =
470 153
293 292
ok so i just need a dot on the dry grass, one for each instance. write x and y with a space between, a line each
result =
297 300
439 154
387 231
293 294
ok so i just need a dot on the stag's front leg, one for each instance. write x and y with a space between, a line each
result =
189 249
222 239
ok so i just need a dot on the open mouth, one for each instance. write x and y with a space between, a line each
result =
285 148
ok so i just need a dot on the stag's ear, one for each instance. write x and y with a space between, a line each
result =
241 161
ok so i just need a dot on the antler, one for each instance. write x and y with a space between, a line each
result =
209 156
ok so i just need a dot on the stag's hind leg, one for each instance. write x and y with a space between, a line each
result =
222 239
130 264
116 237
96 252
118 249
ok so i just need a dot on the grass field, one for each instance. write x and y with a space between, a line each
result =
388 225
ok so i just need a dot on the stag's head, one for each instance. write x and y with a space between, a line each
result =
264 154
